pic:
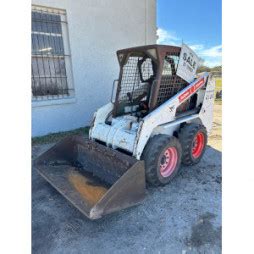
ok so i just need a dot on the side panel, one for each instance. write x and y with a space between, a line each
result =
169 128
206 112
164 114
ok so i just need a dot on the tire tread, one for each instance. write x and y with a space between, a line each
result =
186 136
151 152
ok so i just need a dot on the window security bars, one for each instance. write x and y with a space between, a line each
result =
131 83
51 72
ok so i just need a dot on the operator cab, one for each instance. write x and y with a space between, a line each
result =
147 79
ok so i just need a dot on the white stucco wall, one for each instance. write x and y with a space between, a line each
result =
97 28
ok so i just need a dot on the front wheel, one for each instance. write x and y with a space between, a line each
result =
162 156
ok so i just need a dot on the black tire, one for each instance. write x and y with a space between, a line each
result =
187 137
153 155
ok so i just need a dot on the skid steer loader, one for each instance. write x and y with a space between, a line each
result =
158 118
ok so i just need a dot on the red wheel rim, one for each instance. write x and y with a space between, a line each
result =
198 145
168 161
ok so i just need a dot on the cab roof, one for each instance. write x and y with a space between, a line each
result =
160 49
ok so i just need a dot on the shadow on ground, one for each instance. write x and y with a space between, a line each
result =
183 217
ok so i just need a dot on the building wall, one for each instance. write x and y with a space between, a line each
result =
97 28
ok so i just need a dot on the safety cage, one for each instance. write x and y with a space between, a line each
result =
147 78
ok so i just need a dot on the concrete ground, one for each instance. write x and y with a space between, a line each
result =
183 217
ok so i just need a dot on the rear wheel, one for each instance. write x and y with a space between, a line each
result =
162 156
193 138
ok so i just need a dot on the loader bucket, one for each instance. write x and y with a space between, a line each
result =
96 179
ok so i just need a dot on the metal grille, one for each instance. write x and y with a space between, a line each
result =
171 84
49 75
131 82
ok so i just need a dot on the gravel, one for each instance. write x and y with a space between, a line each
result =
183 217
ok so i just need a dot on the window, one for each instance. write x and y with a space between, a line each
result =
51 63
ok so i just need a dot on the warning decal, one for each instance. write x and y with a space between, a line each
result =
191 90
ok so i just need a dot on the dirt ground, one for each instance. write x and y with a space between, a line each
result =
183 217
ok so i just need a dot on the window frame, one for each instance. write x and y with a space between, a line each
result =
42 100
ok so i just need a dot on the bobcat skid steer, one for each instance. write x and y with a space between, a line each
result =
158 118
